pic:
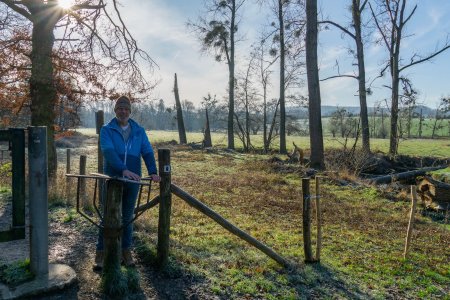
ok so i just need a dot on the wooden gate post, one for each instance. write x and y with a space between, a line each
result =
307 221
111 232
18 184
68 168
99 122
165 207
84 201
319 220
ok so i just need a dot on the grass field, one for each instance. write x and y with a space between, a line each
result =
414 147
363 236
363 232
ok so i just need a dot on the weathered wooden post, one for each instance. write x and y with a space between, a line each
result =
68 167
18 178
38 197
165 207
319 220
307 221
411 220
99 121
83 195
112 224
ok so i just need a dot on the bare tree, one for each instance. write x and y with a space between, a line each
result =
315 120
217 33
442 109
390 19
89 32
357 8
288 48
246 101
264 63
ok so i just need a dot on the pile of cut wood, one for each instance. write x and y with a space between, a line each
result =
435 194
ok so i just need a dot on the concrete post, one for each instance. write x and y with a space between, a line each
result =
38 191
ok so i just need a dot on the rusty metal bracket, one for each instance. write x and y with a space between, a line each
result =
100 179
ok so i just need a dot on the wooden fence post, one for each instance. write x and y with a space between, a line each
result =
83 195
165 206
68 168
411 220
319 220
111 234
307 221
99 121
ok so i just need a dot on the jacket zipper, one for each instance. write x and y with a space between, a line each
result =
127 145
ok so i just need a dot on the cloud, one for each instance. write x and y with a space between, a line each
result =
339 91
161 31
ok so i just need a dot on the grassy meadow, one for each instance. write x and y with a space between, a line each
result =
414 147
364 230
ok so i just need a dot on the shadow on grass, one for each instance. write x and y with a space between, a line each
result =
312 281
316 281
172 281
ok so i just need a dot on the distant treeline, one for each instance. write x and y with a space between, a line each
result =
420 121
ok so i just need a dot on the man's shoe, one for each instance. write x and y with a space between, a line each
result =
127 258
98 263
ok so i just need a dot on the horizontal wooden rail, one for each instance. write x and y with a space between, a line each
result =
197 204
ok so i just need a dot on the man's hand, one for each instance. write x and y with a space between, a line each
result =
131 175
155 178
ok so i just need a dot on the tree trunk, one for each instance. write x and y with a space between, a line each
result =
231 80
315 121
247 124
207 139
42 87
420 123
265 142
180 121
409 123
282 81
361 77
393 142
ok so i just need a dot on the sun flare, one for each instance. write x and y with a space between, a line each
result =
66 4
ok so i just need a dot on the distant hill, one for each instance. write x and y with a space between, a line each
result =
327 110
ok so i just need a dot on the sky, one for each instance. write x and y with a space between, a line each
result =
160 28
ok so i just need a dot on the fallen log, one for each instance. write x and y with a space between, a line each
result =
404 175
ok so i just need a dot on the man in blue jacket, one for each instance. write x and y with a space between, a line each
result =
123 142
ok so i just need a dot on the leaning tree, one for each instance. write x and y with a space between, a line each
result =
89 35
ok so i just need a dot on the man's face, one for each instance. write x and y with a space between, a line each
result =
122 114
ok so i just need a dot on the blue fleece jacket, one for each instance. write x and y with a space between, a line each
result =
120 155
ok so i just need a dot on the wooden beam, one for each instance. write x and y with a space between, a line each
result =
197 204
